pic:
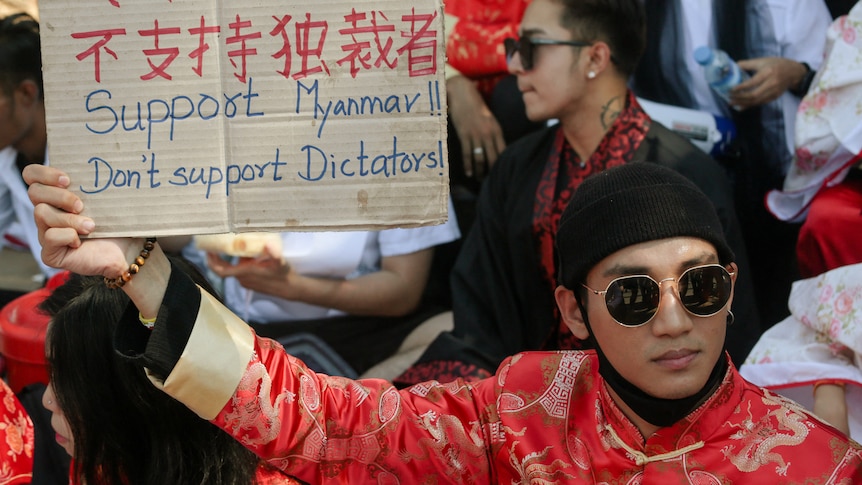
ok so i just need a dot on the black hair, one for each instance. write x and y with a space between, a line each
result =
20 52
619 23
125 430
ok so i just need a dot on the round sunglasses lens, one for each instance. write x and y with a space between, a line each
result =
705 290
510 46
632 300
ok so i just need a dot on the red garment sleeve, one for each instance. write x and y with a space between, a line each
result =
316 427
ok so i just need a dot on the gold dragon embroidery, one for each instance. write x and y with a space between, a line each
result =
263 417
533 470
759 439
449 443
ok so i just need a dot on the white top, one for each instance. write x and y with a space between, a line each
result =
347 255
800 31
828 132
16 210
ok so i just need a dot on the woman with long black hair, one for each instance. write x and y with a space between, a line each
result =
118 428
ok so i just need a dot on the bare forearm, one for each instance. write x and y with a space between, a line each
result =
147 288
830 404
381 293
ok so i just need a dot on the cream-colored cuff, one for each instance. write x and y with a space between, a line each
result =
451 72
213 362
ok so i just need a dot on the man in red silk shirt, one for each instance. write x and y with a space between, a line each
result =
645 274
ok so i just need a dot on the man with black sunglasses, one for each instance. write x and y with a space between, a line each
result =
658 401
572 61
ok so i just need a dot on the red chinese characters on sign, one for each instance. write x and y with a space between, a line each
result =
421 46
243 51
357 50
198 54
367 41
170 53
310 37
280 30
306 33
95 49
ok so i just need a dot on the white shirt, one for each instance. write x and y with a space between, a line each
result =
346 255
800 31
16 210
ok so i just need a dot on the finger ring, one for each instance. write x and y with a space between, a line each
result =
478 151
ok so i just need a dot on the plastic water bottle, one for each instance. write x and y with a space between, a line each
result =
721 73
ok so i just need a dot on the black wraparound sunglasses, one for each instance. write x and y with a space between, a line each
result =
526 48
634 300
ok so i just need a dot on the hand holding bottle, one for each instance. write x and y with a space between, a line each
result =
771 77
722 74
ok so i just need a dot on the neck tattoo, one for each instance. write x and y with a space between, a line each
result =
611 111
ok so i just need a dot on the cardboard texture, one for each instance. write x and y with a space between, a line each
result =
210 116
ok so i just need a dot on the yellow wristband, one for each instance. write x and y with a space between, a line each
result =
147 322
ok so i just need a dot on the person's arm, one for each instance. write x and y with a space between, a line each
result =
800 30
830 404
395 290
313 426
61 227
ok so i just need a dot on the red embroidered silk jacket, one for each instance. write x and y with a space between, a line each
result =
545 417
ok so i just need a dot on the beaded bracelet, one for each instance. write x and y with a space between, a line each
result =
136 265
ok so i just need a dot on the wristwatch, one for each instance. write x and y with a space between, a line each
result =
802 88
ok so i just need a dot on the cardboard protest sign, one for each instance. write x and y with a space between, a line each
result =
206 116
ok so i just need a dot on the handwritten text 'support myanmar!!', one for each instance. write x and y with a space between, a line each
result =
248 117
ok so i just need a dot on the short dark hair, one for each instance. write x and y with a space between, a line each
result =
619 23
20 52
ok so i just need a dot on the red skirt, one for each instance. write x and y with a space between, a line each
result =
832 232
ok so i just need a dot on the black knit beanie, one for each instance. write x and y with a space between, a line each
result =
631 204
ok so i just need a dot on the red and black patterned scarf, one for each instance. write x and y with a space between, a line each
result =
563 173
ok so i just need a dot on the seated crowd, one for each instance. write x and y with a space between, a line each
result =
579 318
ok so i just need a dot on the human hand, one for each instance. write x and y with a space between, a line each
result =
268 273
60 225
830 405
479 132
771 77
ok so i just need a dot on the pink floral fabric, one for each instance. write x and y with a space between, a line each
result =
828 133
822 339
836 314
